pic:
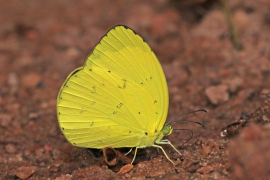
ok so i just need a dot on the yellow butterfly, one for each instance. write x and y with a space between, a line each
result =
118 98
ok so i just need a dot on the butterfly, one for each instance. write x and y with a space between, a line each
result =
118 98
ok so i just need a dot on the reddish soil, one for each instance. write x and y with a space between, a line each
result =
41 42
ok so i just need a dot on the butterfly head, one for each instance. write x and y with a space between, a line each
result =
167 129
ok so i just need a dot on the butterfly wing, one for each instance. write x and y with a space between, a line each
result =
119 94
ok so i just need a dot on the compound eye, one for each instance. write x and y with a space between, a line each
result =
167 129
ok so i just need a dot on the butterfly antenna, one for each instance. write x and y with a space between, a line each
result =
186 121
190 136
173 120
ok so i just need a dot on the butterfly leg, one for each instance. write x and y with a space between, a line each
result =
128 152
134 155
166 141
163 152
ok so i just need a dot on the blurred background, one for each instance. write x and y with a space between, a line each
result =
215 54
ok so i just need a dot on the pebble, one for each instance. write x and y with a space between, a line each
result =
213 20
25 172
5 120
141 165
33 115
126 168
241 19
158 173
12 79
205 170
31 80
215 175
10 148
265 92
64 177
44 105
217 94
72 53
234 84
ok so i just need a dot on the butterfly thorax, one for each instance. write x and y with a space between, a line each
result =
149 139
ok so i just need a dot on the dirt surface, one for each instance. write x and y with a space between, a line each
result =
41 42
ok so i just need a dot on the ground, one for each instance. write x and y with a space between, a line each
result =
41 42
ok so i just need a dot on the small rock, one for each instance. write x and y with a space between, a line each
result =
53 168
48 148
141 165
217 94
10 148
205 170
64 177
158 173
241 19
234 84
25 171
12 79
39 152
206 149
44 105
33 115
31 80
126 168
13 82
192 168
213 20
72 53
215 175
5 120
265 92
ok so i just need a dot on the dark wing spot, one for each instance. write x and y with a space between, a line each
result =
109 71
156 113
141 83
63 128
59 113
129 131
74 143
139 112
146 133
155 101
94 89
124 84
155 130
90 69
118 106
